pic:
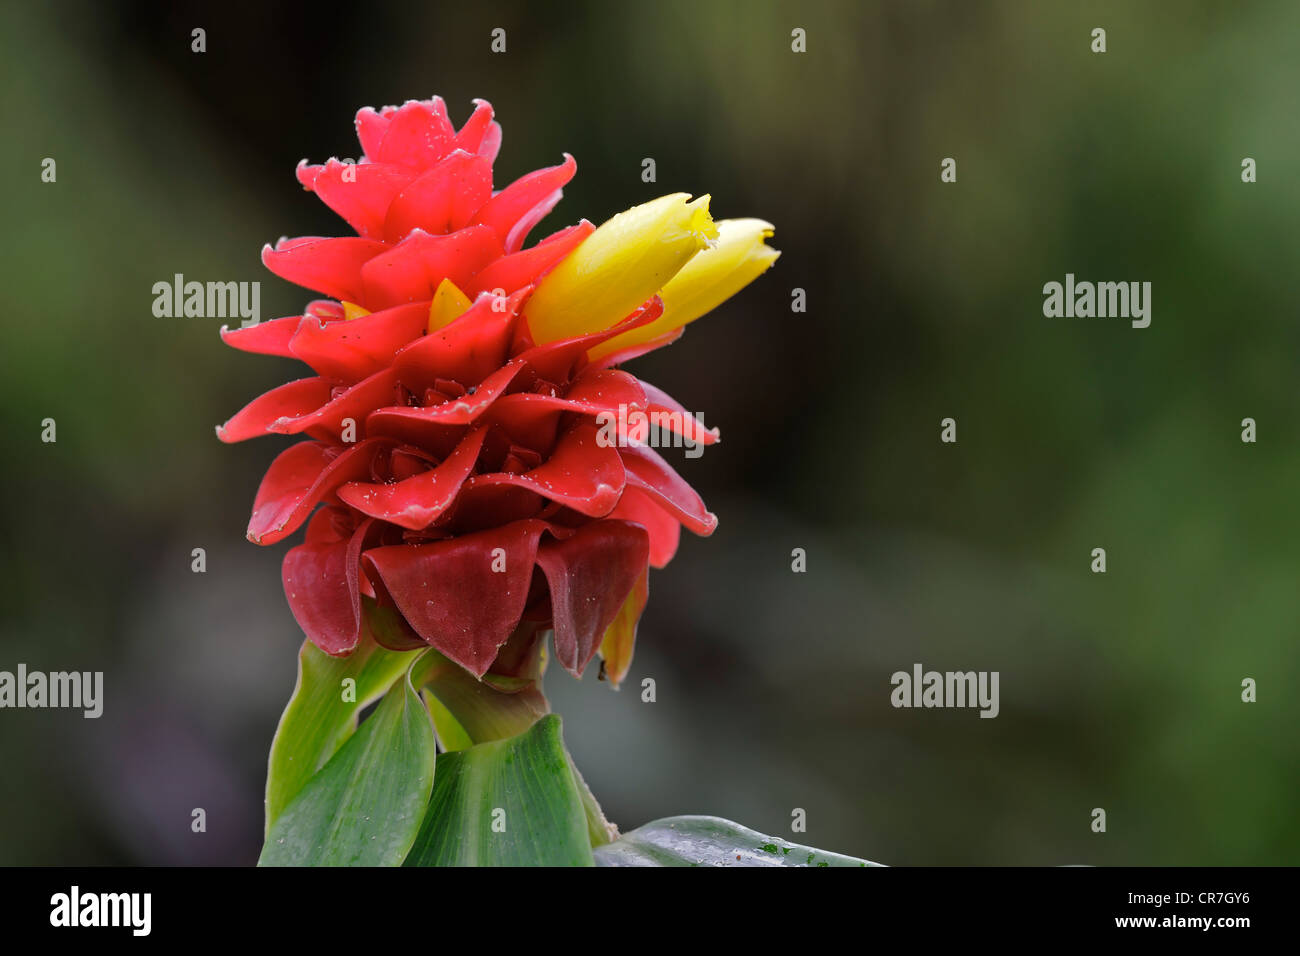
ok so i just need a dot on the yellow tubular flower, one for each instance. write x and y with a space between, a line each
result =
619 266
738 258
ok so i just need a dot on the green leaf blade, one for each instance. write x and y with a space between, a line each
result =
511 802
365 806
317 719
711 841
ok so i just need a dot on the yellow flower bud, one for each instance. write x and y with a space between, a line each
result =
738 258
448 303
353 311
619 266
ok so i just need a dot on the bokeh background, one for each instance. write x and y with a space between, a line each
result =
1119 691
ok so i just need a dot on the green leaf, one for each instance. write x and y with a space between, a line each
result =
711 841
365 805
318 718
451 735
511 802
599 830
467 711
472 711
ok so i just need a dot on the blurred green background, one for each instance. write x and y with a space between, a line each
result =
1119 691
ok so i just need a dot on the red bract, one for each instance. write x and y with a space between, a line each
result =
452 464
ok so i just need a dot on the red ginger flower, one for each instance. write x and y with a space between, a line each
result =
452 420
